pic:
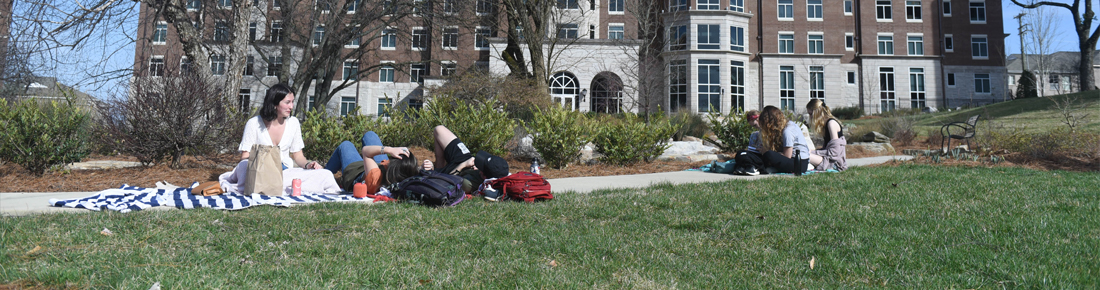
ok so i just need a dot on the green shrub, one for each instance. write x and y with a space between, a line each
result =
630 140
688 124
321 134
848 113
558 135
482 125
732 131
39 136
1025 87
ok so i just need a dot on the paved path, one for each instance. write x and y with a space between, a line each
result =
25 203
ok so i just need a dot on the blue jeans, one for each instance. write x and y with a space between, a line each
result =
347 153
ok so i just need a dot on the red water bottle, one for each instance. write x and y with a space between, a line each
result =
359 190
296 187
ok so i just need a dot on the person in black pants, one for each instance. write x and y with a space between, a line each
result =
749 161
786 146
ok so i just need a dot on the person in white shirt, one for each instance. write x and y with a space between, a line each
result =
275 126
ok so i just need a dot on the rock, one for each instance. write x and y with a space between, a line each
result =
691 138
524 150
689 150
875 137
874 147
928 110
589 155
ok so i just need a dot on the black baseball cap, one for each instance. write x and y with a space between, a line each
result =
491 165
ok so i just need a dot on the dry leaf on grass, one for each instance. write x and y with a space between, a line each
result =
106 232
34 251
812 260
553 263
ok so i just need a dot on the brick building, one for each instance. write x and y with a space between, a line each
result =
718 55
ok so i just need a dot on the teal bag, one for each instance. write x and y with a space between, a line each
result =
719 167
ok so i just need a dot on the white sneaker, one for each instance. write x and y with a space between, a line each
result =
752 172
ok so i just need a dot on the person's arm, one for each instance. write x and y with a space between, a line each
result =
301 161
395 152
788 151
251 133
834 130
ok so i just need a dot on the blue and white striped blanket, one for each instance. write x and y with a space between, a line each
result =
130 198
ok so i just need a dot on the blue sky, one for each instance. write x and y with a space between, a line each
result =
91 56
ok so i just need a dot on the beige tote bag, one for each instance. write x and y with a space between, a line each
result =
265 171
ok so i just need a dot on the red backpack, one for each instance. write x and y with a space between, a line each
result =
524 186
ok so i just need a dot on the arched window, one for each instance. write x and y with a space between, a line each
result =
563 89
607 93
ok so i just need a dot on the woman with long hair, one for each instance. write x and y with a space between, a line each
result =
784 145
833 154
749 161
371 164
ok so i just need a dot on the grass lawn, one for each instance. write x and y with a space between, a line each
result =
906 226
1032 115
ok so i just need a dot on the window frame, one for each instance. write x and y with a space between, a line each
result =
909 44
452 33
709 80
812 9
737 39
981 17
948 43
616 7
817 82
481 35
784 10
946 8
888 97
786 46
160 33
849 41
418 39
987 85
712 34
354 65
884 13
621 32
885 47
157 69
976 47
787 88
810 47
909 11
389 36
387 68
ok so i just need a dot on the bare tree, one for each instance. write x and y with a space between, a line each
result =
544 34
1087 36
1042 31
15 70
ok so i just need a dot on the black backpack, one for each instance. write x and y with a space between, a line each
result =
431 188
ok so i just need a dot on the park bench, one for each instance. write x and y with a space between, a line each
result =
964 131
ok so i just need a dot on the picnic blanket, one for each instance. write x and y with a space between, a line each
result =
131 198
727 168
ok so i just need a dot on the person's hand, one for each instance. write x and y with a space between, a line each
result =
397 152
313 165
428 165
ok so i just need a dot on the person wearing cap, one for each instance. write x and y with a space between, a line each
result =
749 161
453 157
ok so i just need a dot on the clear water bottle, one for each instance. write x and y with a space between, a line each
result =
535 166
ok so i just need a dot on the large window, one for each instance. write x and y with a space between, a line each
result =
318 35
786 43
615 31
249 64
886 45
384 106
160 36
351 70
156 66
385 73
786 9
217 64
678 37
448 68
389 38
916 45
813 9
786 88
977 11
481 37
276 31
567 31
817 82
737 86
450 38
354 41
981 84
886 89
677 85
708 4
916 88
737 38
615 6
979 46
709 36
607 94
244 100
274 66
737 5
347 106
484 7
417 72
568 4
419 38
912 10
710 89
564 89
677 5
815 43
882 10
221 31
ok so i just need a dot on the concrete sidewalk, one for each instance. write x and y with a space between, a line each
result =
26 203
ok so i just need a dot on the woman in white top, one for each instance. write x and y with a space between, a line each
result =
275 126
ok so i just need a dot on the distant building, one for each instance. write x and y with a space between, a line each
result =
719 55
47 89
1055 73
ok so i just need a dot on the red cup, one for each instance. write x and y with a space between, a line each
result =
296 187
359 190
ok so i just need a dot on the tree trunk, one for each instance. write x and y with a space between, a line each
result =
1087 79
238 50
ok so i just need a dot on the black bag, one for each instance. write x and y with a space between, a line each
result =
431 188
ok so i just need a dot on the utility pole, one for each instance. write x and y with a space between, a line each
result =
1023 29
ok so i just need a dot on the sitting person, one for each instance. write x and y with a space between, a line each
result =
275 126
749 161
453 157
833 154
371 164
785 146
